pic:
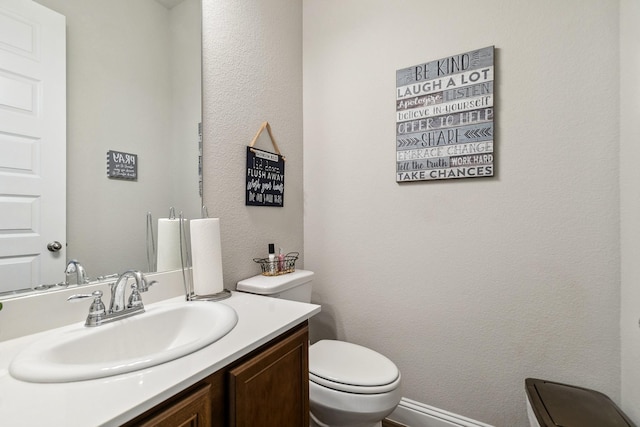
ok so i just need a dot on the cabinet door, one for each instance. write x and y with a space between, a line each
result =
194 410
272 388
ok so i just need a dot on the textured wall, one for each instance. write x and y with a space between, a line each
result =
252 72
630 204
469 285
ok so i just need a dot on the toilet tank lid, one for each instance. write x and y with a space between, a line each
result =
270 285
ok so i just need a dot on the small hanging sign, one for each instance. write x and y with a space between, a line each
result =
265 174
444 118
122 165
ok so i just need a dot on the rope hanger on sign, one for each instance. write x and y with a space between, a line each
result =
273 141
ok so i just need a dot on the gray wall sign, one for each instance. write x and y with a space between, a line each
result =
444 118
122 165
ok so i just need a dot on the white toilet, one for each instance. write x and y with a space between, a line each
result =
349 385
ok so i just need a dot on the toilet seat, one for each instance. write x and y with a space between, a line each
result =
351 368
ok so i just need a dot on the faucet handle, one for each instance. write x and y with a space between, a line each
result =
147 285
107 277
97 295
143 284
135 299
97 309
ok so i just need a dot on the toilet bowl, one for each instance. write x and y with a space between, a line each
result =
349 385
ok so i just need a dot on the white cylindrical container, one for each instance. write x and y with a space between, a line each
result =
206 255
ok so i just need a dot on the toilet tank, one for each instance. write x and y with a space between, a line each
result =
294 286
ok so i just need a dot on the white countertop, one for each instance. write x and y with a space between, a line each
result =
114 400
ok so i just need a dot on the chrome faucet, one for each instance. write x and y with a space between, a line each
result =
118 290
98 315
74 267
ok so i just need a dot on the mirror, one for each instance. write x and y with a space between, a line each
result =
133 86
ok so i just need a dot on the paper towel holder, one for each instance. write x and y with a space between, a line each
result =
187 272
152 252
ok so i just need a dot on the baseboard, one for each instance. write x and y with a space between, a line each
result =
415 414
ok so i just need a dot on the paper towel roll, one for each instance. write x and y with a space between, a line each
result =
169 244
206 255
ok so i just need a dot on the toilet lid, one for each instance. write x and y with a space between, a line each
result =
350 367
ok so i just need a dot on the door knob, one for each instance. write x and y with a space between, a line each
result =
54 246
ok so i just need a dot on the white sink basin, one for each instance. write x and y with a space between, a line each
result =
163 333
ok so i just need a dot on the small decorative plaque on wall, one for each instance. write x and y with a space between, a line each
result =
265 178
444 118
122 165
265 174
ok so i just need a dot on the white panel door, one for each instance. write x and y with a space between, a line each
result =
32 144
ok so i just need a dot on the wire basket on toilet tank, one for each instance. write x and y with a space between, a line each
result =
279 265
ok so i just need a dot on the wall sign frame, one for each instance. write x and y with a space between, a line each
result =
122 165
444 118
265 174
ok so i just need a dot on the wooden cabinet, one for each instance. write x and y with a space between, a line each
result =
192 410
268 387
272 388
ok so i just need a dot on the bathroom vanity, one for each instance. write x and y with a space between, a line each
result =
268 387
257 374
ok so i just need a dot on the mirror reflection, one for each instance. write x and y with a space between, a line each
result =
133 77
